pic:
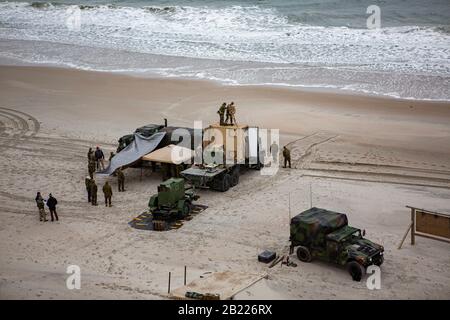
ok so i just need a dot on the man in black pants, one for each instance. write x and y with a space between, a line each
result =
51 204
99 157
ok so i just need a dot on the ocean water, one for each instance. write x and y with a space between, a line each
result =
304 43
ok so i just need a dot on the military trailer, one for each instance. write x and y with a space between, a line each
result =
326 235
173 201
228 150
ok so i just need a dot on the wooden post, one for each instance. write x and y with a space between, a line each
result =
413 226
289 221
184 275
404 237
168 288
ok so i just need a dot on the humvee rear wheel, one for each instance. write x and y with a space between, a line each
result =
303 254
356 270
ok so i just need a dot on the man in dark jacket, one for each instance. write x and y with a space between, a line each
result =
99 157
51 204
286 156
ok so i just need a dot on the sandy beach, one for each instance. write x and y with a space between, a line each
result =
366 156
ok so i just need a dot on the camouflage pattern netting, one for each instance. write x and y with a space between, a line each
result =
314 224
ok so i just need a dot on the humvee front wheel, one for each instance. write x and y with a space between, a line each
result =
303 254
356 270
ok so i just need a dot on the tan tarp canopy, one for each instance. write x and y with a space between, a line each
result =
172 154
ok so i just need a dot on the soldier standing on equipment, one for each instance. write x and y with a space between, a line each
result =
93 193
221 113
99 157
121 179
107 191
231 111
51 204
87 181
287 156
41 207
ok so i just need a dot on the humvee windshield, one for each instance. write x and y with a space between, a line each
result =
353 236
345 234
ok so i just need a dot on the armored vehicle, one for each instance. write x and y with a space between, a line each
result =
227 152
326 235
172 200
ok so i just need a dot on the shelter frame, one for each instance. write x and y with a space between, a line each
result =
427 224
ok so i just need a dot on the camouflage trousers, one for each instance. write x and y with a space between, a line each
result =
42 215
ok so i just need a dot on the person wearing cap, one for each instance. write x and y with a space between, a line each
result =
88 181
99 157
51 204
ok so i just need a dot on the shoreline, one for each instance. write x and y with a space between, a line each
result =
253 101
305 89
153 75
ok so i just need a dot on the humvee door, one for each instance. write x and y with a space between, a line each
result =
333 249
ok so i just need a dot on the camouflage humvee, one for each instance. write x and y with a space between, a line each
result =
326 235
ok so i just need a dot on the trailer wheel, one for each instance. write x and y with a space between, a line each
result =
225 183
303 254
234 178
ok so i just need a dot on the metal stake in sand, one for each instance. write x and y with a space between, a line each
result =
168 287
289 222
184 275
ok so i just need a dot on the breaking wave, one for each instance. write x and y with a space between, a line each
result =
233 33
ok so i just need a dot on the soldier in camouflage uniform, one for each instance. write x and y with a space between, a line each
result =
41 207
287 157
121 179
91 169
88 181
231 111
93 193
90 154
107 191
221 113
